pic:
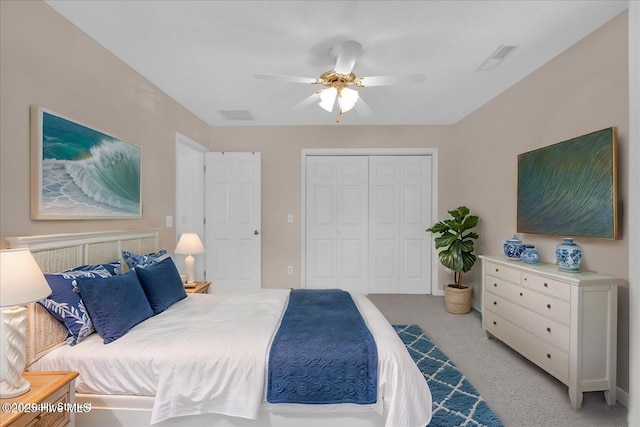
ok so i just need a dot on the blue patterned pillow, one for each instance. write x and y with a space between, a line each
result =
162 284
116 304
113 268
65 304
136 260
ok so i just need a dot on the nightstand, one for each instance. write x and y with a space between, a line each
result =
199 288
52 395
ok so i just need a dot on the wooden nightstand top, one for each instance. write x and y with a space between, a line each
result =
43 385
199 288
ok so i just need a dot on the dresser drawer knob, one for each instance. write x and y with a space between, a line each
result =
494 322
549 330
495 285
546 285
548 356
495 303
549 306
520 293
497 269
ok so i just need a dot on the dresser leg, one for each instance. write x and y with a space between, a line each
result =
575 397
610 396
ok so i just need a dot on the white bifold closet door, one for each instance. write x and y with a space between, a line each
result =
337 222
399 214
365 223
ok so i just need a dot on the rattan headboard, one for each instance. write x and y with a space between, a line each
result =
59 252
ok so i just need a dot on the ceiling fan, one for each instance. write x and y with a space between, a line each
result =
340 78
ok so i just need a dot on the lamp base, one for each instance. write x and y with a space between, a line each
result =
15 326
189 262
7 391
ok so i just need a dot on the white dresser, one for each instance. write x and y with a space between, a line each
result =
566 323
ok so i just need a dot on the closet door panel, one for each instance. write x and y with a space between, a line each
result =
337 222
400 212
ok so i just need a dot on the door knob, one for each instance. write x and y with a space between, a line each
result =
256 232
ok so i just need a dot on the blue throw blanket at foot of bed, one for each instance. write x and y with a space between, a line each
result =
323 352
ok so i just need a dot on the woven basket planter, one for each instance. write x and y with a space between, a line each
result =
456 300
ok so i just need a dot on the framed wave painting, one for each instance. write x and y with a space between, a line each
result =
570 188
81 173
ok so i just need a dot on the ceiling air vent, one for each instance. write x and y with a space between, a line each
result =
497 57
236 114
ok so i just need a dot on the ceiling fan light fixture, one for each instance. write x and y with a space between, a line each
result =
347 99
328 98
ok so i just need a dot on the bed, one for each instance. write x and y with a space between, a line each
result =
203 360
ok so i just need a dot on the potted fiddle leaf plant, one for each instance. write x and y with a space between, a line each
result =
455 236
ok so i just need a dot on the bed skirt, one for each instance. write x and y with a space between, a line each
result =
111 410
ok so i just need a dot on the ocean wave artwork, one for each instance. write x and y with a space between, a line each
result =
569 188
85 173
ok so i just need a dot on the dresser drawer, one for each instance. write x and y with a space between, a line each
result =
548 286
503 289
542 327
542 353
502 272
547 306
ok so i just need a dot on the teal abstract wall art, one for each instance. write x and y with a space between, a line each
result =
570 188
81 173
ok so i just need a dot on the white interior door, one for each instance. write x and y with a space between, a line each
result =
337 222
399 214
233 221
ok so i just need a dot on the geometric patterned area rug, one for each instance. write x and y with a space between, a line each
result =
455 401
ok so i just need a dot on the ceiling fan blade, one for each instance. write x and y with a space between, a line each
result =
349 52
293 79
391 80
362 108
307 101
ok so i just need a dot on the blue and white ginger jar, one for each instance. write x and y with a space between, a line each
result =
530 255
569 255
513 248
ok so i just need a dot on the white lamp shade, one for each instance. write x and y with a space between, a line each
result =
347 99
189 244
21 280
328 98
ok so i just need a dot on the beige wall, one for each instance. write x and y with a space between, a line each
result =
47 61
281 174
583 90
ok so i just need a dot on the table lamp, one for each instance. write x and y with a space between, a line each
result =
21 283
189 244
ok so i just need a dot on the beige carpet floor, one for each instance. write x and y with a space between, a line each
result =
519 392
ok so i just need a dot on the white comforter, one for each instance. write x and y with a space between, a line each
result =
208 354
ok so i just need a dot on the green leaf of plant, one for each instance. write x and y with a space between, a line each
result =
470 222
458 253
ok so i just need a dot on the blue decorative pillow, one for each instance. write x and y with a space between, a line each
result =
115 304
65 303
136 260
114 268
162 284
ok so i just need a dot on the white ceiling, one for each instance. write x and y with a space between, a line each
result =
204 53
